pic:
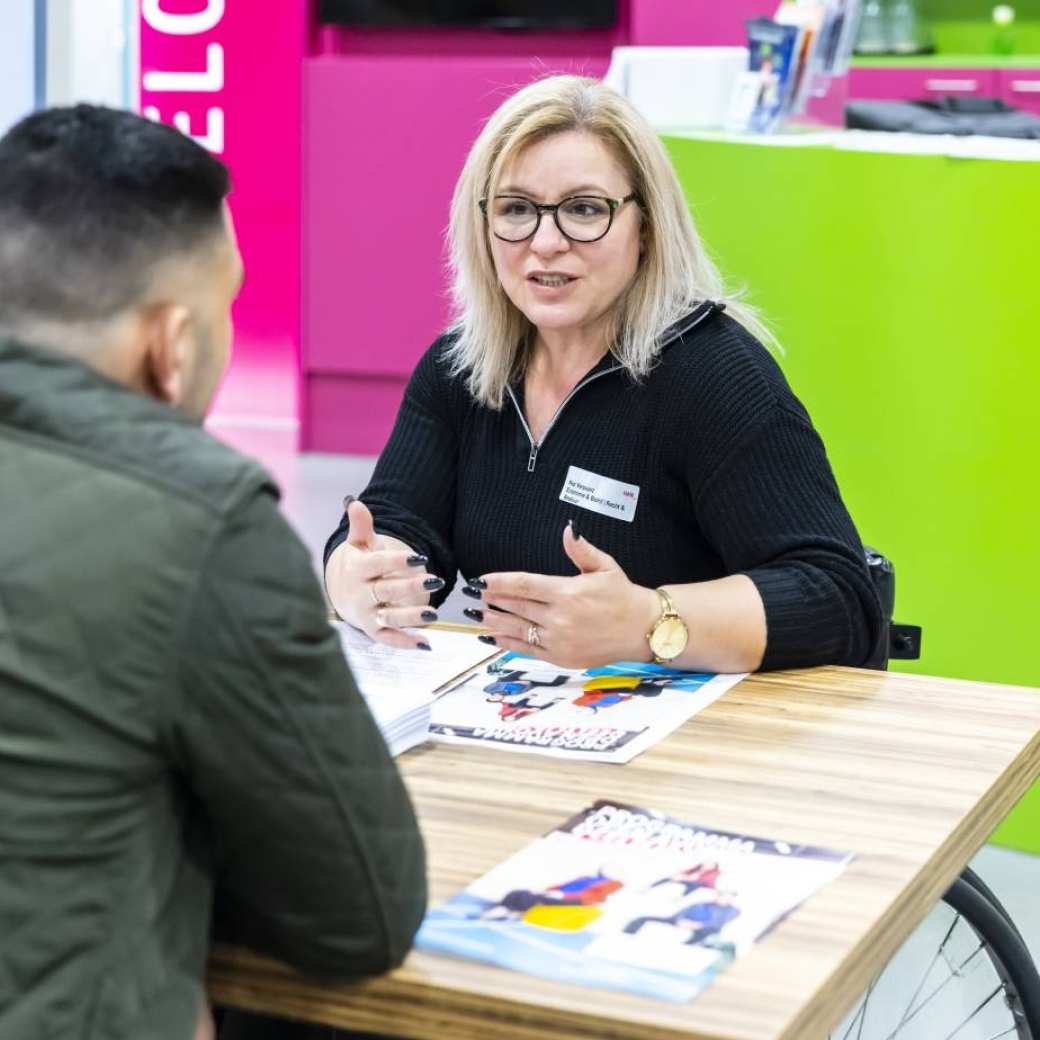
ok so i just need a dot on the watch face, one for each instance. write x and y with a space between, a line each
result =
669 638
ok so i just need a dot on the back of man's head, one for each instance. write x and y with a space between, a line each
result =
115 246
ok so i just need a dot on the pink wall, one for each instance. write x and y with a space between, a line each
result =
378 184
228 73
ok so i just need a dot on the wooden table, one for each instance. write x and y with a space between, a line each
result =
910 773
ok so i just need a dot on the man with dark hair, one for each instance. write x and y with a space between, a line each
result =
175 711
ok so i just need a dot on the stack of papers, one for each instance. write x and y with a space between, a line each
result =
460 693
400 686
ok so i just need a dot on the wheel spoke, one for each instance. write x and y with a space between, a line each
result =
935 992
852 1024
940 952
965 968
1006 1032
861 1012
999 989
866 1001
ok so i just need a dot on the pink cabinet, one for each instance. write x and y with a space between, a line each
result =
912 84
1020 88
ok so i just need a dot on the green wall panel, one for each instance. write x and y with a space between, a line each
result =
906 293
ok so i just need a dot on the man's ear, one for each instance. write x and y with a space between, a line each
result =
167 352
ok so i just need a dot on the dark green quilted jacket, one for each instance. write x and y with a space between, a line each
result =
175 716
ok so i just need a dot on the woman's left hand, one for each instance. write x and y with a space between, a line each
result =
594 618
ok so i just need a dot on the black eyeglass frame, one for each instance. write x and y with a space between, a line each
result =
554 208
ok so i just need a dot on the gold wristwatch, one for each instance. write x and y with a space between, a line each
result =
669 636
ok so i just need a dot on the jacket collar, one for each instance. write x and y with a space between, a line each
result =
686 324
45 392
701 313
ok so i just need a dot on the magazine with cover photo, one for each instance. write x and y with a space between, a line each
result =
607 714
773 58
630 899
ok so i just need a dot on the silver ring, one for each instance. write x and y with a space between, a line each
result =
534 635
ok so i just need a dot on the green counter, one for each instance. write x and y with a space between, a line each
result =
906 292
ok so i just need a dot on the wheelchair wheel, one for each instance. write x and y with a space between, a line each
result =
973 879
964 974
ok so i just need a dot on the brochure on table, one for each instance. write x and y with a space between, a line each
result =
607 714
626 898
400 686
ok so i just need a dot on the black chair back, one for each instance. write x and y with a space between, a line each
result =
897 641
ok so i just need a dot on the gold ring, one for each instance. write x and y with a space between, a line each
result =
381 616
534 636
375 595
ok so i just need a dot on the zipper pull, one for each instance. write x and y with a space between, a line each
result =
531 458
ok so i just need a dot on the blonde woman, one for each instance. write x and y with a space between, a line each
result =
600 440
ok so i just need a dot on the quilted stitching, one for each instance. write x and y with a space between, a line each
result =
174 711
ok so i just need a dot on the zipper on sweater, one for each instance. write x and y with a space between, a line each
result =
705 310
532 459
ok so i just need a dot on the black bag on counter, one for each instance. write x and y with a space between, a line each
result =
962 116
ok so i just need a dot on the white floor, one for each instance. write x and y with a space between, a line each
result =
313 489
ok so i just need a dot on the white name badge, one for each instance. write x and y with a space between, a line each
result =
600 494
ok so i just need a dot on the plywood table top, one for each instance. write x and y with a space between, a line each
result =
910 773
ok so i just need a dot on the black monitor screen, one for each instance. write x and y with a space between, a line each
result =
502 14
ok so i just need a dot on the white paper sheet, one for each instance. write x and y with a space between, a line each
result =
400 686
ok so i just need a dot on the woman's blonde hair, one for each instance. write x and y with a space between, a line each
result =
674 275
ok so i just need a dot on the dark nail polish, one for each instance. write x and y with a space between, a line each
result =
468 590
429 616
478 583
347 499
473 614
574 528
433 583
490 640
424 646
417 561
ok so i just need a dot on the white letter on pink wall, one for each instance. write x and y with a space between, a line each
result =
182 24
212 140
210 80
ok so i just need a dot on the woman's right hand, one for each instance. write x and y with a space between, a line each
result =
379 584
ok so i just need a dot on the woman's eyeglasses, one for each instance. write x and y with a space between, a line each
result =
581 218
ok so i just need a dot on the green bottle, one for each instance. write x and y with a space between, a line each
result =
1003 29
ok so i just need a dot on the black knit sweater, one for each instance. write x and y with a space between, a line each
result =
731 476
